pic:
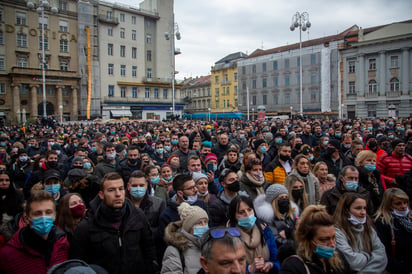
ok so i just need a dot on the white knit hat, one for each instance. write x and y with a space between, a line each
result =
190 215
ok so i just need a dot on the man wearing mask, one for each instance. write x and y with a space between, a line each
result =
33 149
240 139
116 235
276 171
21 171
372 144
307 137
184 152
335 160
130 164
159 156
348 181
109 161
39 245
222 146
143 146
355 147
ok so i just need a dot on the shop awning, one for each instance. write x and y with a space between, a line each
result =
121 113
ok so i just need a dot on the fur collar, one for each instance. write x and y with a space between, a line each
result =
263 209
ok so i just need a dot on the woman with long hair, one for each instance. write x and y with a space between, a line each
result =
393 224
297 193
302 168
260 245
355 236
71 211
320 170
253 181
316 245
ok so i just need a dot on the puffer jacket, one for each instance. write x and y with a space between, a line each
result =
274 172
182 246
393 164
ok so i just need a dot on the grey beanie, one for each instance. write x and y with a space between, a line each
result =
273 191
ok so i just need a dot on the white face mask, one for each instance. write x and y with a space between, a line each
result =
190 199
401 213
356 221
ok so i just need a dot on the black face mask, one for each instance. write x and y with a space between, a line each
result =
133 161
330 150
298 146
234 187
283 205
297 194
52 164
141 145
284 157
373 145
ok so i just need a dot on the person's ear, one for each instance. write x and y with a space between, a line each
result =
203 263
101 196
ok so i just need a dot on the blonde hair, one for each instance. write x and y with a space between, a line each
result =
289 181
317 167
385 209
277 212
363 155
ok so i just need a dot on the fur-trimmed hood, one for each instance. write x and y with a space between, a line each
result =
263 209
176 236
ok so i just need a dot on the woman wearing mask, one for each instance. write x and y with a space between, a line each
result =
253 181
166 178
153 177
297 194
275 209
393 224
184 240
315 251
202 184
11 199
70 212
260 245
356 238
320 170
370 177
302 168
88 165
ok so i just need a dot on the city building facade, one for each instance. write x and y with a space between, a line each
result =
198 95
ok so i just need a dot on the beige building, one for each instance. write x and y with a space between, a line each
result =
21 89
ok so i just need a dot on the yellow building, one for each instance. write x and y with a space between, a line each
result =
224 83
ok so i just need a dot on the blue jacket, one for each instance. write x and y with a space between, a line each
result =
273 249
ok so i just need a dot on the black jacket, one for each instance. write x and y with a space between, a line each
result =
127 250
293 265
125 170
218 211
373 184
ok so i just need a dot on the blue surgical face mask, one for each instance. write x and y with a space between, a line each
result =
337 135
242 136
347 145
175 142
52 189
325 143
247 222
94 149
159 151
324 251
42 225
137 192
190 199
311 158
155 180
263 149
87 165
401 213
167 148
214 168
356 221
370 167
351 186
278 140
199 231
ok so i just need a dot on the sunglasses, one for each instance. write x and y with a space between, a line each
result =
219 233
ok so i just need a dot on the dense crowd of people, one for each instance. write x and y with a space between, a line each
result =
182 196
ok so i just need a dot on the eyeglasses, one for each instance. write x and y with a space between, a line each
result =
190 188
219 233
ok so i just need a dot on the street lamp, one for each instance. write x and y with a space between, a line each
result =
170 35
208 109
43 5
61 113
253 113
291 112
301 21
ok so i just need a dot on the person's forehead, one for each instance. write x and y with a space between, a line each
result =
189 183
41 205
113 183
134 180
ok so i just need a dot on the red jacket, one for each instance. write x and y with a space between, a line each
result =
378 153
393 164
18 258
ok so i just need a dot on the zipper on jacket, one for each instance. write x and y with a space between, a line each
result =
120 238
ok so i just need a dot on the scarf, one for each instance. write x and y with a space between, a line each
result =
111 215
404 222
253 245
257 184
311 185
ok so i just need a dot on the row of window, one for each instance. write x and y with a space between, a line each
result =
43 22
22 43
24 89
225 91
122 34
201 104
286 98
109 15
372 86
226 78
275 65
110 52
226 104
135 92
110 70
22 62
372 64
201 92
275 82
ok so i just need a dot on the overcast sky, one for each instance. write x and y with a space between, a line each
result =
212 29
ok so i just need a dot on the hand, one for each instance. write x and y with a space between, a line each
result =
266 267
210 176
282 234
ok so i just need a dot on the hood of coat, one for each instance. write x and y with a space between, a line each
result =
263 209
175 237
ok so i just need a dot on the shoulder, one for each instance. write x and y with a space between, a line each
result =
293 264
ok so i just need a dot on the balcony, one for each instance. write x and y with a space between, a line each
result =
50 73
105 19
225 82
392 94
371 94
141 100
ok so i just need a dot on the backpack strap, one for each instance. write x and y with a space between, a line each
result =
300 259
182 260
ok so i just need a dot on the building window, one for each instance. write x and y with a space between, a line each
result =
121 17
134 20
149 73
394 62
63 26
287 98
64 65
243 84
265 98
134 53
264 82
122 70
298 79
21 40
235 90
287 80
1 62
110 31
216 79
110 49
313 59
111 91
298 61
254 83
22 62
62 5
313 78
123 92
352 87
148 39
1 38
156 93
217 104
276 101
243 70
134 35
149 55
109 15
235 76
216 92
110 69
313 96
275 65
226 78
165 93
147 93
134 71
352 67
122 33
254 100
372 87
2 88
254 69
20 18
394 84
64 45
43 21
264 67
371 110
275 81
46 43
122 51
372 64
227 90
134 92
287 64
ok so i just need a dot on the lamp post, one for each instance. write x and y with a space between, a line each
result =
253 113
43 5
208 109
61 113
247 102
301 21
170 35
291 112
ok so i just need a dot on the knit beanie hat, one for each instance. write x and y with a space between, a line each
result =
335 143
273 191
396 142
210 156
190 215
258 142
198 175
